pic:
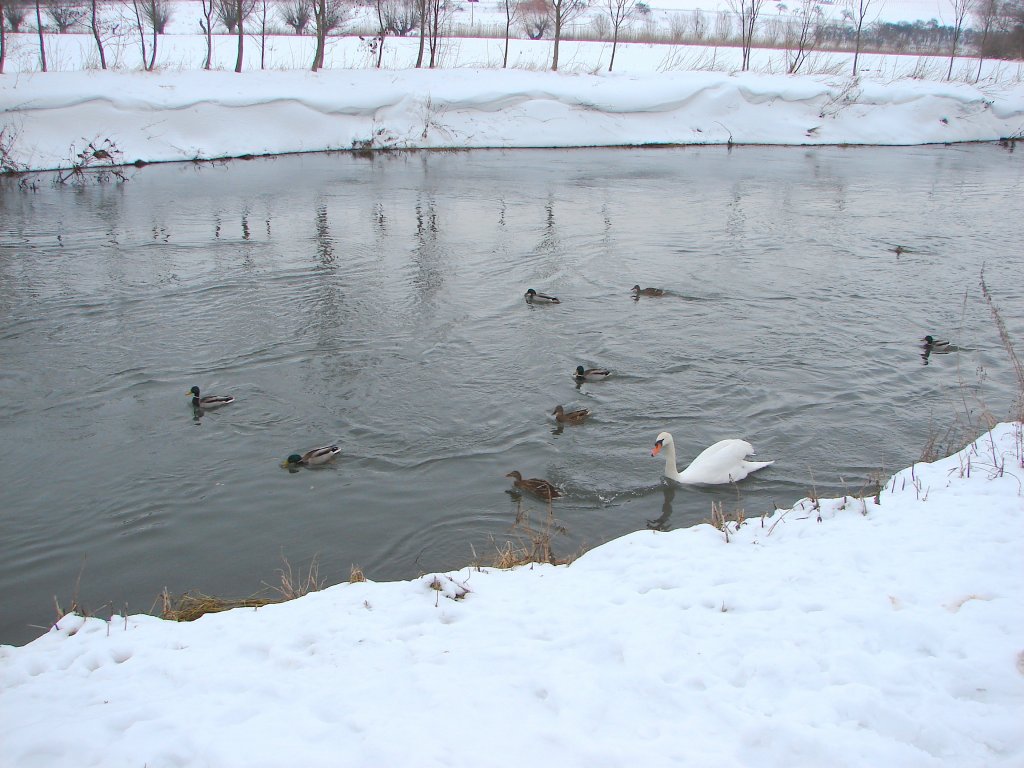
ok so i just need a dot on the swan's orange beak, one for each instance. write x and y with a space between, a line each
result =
657 447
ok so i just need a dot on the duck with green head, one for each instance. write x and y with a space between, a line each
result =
206 402
591 374
312 458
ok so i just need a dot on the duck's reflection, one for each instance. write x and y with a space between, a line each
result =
668 490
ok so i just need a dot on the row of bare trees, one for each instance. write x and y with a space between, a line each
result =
992 27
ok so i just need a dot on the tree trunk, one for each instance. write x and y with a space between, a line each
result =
42 44
206 24
952 53
141 29
3 39
152 54
319 22
263 36
423 32
241 35
615 43
383 32
856 46
508 33
95 26
435 30
558 36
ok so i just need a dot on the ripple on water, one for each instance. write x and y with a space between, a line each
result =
380 306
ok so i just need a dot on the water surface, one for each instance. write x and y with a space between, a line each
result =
378 302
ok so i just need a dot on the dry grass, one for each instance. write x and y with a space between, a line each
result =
294 585
530 543
727 522
191 605
1017 413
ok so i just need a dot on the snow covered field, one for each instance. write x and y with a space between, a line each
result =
660 94
848 632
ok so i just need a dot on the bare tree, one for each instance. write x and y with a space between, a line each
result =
723 26
985 13
98 29
422 8
400 17
619 11
700 24
857 11
206 24
64 14
535 16
42 43
14 11
233 14
240 14
511 8
296 14
748 11
438 16
328 16
3 36
383 32
562 12
960 10
226 14
260 9
158 13
804 34
143 24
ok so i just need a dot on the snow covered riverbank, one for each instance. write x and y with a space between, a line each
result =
848 632
169 116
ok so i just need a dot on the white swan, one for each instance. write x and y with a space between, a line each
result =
723 462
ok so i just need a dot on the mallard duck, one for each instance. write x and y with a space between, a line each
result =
208 401
638 291
312 458
591 374
723 462
536 486
533 297
937 346
570 417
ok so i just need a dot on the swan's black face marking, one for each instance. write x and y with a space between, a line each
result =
657 447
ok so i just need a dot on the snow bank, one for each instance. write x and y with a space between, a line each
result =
197 115
843 632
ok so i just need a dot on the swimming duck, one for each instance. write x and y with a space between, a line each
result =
591 374
638 291
570 417
312 458
536 486
208 401
937 345
533 297
723 462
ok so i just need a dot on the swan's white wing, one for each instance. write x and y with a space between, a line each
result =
723 462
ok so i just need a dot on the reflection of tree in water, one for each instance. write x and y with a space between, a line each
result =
324 241
549 243
328 308
427 255
736 217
